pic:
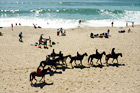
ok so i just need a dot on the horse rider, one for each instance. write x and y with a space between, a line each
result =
113 53
78 54
39 71
97 53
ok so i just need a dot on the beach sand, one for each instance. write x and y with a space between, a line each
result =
18 60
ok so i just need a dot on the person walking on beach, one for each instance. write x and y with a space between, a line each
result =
58 32
108 31
12 26
20 36
50 40
132 24
112 24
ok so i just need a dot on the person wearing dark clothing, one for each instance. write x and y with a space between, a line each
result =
80 21
97 53
20 36
78 54
112 24
113 52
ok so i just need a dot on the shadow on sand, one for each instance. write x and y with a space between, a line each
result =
98 66
54 72
81 67
116 65
41 85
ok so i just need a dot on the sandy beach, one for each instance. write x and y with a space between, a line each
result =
19 59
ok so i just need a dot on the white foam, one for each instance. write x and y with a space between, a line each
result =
131 16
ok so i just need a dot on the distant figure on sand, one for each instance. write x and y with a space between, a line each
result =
50 40
12 26
112 24
129 30
61 30
20 36
57 32
108 31
41 39
132 24
126 24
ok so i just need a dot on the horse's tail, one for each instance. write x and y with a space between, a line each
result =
89 58
31 77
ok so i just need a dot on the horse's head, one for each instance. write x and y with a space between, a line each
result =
86 54
104 53
69 56
121 54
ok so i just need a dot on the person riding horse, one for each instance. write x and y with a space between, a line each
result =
113 53
97 53
39 71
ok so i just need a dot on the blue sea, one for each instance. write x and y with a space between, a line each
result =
67 13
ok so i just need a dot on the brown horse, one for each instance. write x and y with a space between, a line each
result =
34 74
98 57
79 57
108 56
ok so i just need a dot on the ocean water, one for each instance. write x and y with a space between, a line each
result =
67 13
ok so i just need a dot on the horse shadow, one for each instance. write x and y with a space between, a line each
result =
41 85
116 65
81 66
51 73
63 68
98 66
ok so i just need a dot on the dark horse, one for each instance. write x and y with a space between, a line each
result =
98 57
108 56
34 74
52 63
79 57
64 58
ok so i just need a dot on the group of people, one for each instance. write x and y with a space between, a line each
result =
106 35
63 33
44 41
35 26
123 31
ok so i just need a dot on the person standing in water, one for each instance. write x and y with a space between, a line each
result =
112 24
12 26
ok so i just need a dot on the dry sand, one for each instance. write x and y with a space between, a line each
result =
18 60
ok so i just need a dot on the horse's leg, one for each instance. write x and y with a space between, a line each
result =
44 78
81 62
97 61
117 60
112 60
65 63
75 62
91 61
41 79
71 65
100 62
